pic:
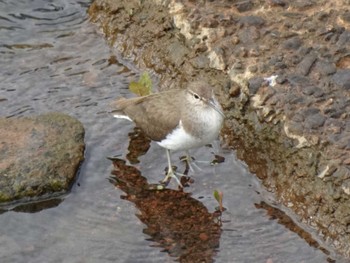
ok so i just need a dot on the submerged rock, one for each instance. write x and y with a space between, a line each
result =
39 156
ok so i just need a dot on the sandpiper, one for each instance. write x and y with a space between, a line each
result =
177 119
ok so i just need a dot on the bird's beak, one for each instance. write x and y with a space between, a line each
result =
212 102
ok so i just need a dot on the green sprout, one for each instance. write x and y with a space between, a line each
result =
143 87
218 195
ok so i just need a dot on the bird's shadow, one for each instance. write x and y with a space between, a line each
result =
181 225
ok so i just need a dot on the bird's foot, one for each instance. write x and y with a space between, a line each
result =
190 163
173 174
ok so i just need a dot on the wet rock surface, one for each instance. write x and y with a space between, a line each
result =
281 69
39 156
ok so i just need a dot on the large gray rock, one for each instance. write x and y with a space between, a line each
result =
39 156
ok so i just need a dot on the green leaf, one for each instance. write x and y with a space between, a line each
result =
145 80
137 88
143 87
217 196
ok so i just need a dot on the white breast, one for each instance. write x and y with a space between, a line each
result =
209 121
179 139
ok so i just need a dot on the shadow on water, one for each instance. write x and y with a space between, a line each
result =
178 223
35 206
283 219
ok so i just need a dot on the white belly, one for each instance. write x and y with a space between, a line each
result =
210 124
180 140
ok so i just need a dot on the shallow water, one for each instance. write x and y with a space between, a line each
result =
53 59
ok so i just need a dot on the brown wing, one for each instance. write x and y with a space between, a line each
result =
156 114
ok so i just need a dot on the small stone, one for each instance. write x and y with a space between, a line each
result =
252 21
254 84
244 6
253 52
292 43
347 126
295 128
282 3
237 65
302 5
280 65
216 58
308 90
344 39
343 142
177 53
314 121
234 91
325 68
281 79
293 99
253 68
211 23
200 61
333 126
306 64
298 117
318 93
342 78
235 40
322 16
250 35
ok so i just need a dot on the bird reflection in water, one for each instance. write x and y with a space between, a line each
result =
175 221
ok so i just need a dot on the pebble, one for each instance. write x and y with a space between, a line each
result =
298 80
342 78
314 121
325 68
295 128
292 43
254 84
200 62
308 90
305 65
252 21
244 6
344 39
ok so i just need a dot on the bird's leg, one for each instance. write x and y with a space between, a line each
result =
190 162
171 173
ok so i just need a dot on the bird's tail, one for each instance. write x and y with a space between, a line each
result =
120 115
117 110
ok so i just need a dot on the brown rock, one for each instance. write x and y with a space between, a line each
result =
39 156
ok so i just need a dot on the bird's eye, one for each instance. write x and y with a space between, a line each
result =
196 96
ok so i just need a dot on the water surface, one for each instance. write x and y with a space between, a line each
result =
53 59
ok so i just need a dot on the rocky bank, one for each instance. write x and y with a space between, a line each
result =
282 71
